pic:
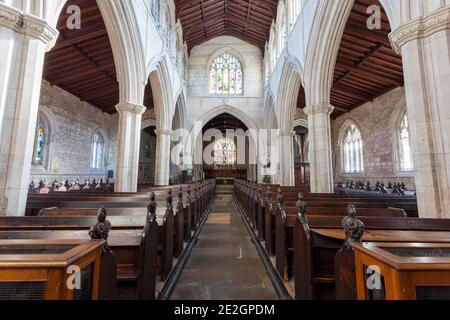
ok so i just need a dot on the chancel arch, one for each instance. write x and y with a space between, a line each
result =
219 120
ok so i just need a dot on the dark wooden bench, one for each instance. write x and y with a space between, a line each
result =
134 241
321 274
285 220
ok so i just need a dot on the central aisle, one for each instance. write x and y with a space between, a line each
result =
224 264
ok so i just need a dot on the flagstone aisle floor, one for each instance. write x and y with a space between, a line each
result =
224 264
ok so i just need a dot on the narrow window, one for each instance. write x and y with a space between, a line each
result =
97 151
352 147
406 162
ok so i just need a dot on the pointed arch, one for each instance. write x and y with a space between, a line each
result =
162 94
288 91
247 120
322 50
123 30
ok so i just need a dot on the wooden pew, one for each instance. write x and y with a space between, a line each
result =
42 270
317 240
402 271
245 194
171 236
266 210
285 220
133 242
174 222
38 202
182 212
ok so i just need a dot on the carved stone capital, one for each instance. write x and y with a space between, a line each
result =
10 17
28 25
130 107
287 133
420 28
319 108
166 132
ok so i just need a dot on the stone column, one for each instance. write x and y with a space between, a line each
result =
287 176
130 123
24 40
321 161
425 47
163 160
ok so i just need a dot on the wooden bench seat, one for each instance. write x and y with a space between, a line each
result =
134 242
285 221
318 240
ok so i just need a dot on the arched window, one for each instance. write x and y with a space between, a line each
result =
225 152
225 75
97 151
40 143
406 162
352 149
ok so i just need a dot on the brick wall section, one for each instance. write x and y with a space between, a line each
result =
74 124
376 120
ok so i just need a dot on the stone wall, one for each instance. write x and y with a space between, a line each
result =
72 125
201 102
377 121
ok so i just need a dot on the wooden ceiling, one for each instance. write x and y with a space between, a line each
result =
225 121
249 20
367 66
82 61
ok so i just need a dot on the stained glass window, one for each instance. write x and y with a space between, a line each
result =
97 146
352 150
406 162
39 146
225 152
225 75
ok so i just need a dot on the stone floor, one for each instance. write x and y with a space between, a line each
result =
224 265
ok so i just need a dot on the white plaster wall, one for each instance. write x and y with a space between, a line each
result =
200 102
